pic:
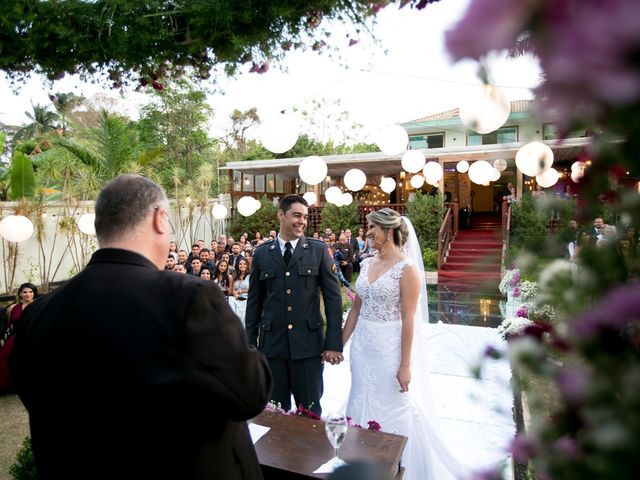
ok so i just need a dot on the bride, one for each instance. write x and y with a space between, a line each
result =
389 375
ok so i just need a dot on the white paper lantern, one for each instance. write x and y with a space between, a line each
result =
310 197
500 164
278 134
392 140
486 109
333 195
576 177
246 206
417 181
494 175
462 166
256 205
312 170
480 172
534 158
219 211
16 228
347 198
548 178
387 184
86 223
413 161
355 179
578 166
432 172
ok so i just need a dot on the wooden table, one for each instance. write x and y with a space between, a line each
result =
296 446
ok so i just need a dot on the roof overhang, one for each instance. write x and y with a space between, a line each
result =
377 163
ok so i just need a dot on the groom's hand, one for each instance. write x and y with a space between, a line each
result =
334 358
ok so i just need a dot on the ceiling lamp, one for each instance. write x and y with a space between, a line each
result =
534 158
86 223
278 134
387 184
480 172
333 195
355 179
500 164
310 197
392 140
548 178
16 228
462 166
486 109
432 172
312 170
413 161
417 181
219 211
247 206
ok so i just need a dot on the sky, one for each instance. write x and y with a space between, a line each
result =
406 75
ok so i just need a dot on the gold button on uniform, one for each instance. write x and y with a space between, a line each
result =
289 308
287 274
290 326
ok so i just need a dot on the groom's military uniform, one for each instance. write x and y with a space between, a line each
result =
283 317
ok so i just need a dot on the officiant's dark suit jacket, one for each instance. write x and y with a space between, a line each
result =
128 371
283 309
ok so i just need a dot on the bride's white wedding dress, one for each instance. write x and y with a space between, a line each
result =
375 392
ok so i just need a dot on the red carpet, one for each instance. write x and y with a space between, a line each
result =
473 263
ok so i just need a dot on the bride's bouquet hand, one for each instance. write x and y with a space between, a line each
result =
404 378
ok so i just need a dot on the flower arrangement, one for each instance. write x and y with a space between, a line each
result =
509 281
514 327
300 411
527 291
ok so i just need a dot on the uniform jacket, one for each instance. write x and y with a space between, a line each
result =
283 309
128 371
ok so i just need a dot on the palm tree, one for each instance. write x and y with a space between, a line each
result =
65 103
42 120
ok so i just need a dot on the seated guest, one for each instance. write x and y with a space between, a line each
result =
223 278
179 268
196 265
195 252
241 288
205 273
257 240
205 259
170 263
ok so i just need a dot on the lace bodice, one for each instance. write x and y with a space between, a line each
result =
380 299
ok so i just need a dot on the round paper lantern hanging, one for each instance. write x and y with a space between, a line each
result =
392 140
219 211
576 177
387 184
333 195
310 197
278 134
500 164
480 172
494 174
246 206
347 198
355 179
534 158
548 178
413 161
432 172
578 166
417 181
462 166
256 205
486 109
16 228
86 223
312 170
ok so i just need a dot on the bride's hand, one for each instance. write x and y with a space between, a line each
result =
404 378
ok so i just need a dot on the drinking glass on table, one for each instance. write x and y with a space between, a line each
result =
335 426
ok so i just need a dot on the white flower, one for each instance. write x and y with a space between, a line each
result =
528 291
556 271
513 326
507 282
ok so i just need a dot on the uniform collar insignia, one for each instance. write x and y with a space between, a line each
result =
304 245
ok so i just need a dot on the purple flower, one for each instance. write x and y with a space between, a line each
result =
515 292
373 425
492 352
523 312
573 384
516 279
522 448
568 447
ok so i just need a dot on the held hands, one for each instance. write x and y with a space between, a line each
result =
404 378
334 358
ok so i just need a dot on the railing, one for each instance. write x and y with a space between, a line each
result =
506 230
447 232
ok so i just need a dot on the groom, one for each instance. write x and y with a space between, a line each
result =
283 309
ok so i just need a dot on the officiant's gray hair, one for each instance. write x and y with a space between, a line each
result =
387 218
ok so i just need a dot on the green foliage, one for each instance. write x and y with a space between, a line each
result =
27 146
150 41
25 466
23 180
264 220
42 121
430 258
528 224
426 212
340 218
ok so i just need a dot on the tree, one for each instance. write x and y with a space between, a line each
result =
65 103
149 41
43 121
340 218
264 220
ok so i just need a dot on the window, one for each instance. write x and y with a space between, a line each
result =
502 135
279 183
247 182
271 183
259 183
237 181
435 140
550 132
